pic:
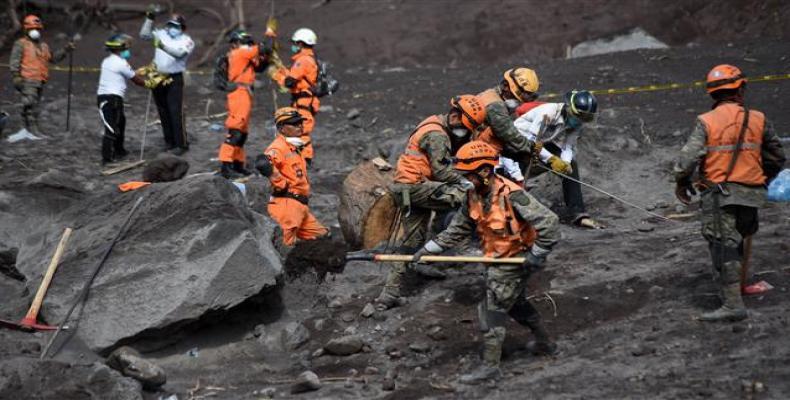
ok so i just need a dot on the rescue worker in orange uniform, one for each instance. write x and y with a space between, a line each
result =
426 182
518 85
510 223
29 65
299 79
243 60
283 164
737 154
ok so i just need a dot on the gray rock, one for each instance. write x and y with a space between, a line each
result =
30 378
420 347
259 330
194 247
353 114
268 392
437 333
129 362
344 345
294 335
368 310
306 382
347 317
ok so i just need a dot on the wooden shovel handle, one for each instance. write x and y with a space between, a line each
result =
460 259
32 313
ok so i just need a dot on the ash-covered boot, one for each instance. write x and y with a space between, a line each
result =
732 308
527 315
492 351
390 296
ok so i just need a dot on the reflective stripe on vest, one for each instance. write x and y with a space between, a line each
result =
34 65
414 165
484 132
500 231
723 126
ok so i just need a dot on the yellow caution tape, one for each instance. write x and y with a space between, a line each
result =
630 89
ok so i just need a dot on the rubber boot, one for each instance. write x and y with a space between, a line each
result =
732 310
492 352
527 315
238 166
227 171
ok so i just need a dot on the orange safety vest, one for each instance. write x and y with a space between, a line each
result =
305 69
723 125
290 168
484 132
414 165
34 65
241 64
499 229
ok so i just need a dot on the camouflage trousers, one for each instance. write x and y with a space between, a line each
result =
725 228
423 198
30 92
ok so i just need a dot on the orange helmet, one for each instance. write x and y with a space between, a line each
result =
474 155
724 76
523 83
287 115
472 112
32 22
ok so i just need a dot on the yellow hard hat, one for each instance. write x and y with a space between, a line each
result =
522 82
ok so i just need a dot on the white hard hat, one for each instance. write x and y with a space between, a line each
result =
305 35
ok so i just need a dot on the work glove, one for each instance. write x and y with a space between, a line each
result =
535 258
430 248
684 190
157 42
558 165
263 165
535 148
150 12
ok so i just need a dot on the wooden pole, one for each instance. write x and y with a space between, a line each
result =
32 313
458 259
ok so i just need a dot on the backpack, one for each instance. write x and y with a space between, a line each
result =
221 81
324 83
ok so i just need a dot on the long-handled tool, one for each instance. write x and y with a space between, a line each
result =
86 288
410 258
145 124
30 321
68 91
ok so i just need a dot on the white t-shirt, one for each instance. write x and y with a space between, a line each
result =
556 132
115 71
173 58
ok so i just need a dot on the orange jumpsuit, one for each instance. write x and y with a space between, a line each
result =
290 191
242 62
299 79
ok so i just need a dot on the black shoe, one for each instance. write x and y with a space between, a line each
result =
227 172
541 348
239 167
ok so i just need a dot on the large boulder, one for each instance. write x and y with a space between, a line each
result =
193 248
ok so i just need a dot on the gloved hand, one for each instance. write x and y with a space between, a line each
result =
263 165
535 258
150 12
157 42
558 165
430 248
535 148
684 190
466 184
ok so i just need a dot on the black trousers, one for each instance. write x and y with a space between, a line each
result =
114 121
169 101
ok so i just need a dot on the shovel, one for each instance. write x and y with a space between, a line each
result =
30 322
361 256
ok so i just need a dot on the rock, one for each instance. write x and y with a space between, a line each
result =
268 392
371 370
319 324
337 302
353 114
259 330
641 350
344 345
130 363
193 248
294 335
165 169
30 378
318 353
351 330
437 333
420 347
324 109
368 310
348 383
388 383
645 229
306 382
347 317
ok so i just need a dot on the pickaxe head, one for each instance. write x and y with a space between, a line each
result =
27 325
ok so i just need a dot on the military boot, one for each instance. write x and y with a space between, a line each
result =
525 314
492 351
390 296
238 166
732 310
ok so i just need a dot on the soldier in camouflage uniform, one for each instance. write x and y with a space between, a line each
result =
737 153
510 223
426 182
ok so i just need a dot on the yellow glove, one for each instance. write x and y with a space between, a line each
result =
156 42
557 165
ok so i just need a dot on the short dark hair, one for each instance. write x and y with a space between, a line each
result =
727 94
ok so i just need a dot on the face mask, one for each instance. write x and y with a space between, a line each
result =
459 132
512 104
34 34
295 49
126 54
295 141
173 32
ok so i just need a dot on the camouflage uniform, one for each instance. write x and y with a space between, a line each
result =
730 216
506 284
442 194
29 90
500 120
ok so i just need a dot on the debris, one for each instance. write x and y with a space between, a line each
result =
294 335
353 114
368 310
388 383
642 350
344 345
259 330
306 382
369 370
193 352
216 127
437 333
420 347
130 363
318 353
23 134
347 317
